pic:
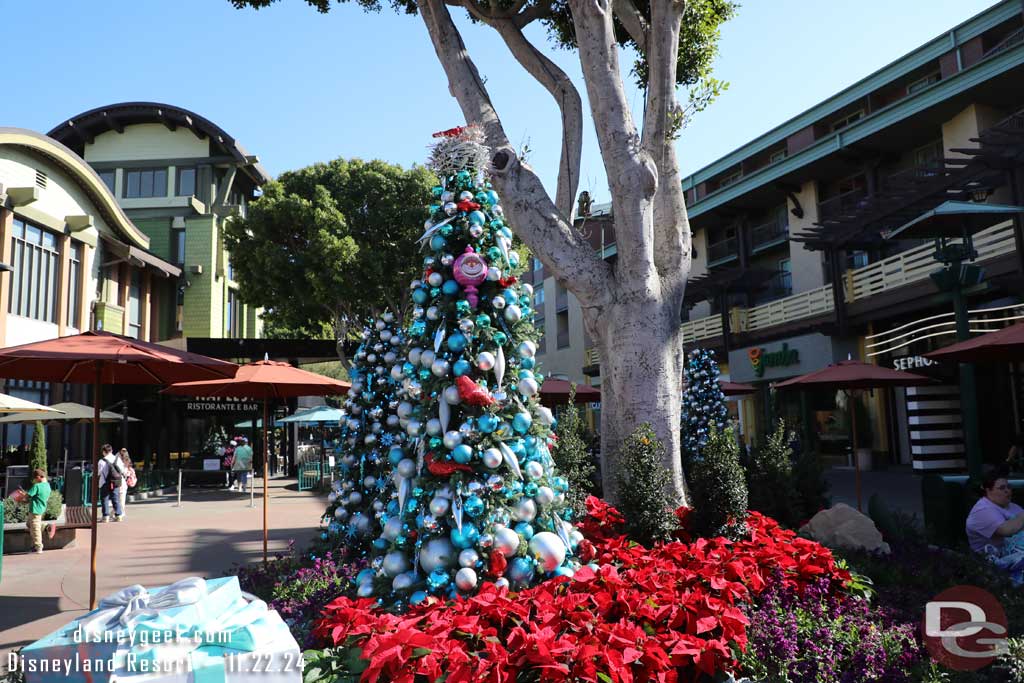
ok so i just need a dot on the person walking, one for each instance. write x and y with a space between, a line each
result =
111 474
128 480
38 496
243 463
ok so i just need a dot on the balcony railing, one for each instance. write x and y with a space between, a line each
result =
902 269
841 204
720 251
766 233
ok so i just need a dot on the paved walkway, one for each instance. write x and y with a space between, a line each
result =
156 545
898 487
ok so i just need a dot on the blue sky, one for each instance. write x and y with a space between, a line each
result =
295 87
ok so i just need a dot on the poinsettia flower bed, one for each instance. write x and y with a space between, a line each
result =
668 613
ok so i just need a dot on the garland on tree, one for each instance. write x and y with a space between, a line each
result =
703 403
476 494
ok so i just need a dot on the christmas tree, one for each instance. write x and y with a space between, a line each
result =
476 494
703 403
369 432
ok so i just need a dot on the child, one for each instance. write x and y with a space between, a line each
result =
38 496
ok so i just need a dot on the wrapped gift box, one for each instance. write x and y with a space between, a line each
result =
193 631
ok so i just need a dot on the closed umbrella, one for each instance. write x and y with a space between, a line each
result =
99 358
853 375
265 379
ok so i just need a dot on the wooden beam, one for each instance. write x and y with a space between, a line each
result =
112 123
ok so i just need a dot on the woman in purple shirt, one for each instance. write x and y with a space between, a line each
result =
995 520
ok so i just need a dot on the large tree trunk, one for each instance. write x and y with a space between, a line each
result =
641 352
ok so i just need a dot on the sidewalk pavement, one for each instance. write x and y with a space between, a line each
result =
899 488
156 545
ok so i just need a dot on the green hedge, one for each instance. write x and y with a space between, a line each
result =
18 512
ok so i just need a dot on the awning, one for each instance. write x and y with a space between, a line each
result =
140 258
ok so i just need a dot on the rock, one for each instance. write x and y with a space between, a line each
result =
841 526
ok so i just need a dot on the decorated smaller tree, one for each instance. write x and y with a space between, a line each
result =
703 403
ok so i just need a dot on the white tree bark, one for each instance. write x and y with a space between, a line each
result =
631 311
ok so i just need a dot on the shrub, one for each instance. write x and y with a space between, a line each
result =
38 458
821 635
572 457
809 481
770 481
18 512
719 488
644 488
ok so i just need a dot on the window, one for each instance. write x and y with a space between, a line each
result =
785 277
778 156
563 329
36 273
186 182
108 178
922 83
178 245
135 305
730 179
234 312
856 259
230 272
847 120
74 284
147 182
929 155
538 299
537 265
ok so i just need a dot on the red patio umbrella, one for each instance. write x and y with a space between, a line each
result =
265 379
99 358
556 392
736 388
852 375
1005 345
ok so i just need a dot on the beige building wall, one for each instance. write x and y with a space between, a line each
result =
958 131
566 363
806 265
145 141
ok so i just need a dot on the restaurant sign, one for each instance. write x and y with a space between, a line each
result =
207 405
761 358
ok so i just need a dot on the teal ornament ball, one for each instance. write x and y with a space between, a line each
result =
437 580
457 342
477 217
525 530
487 423
492 197
493 254
527 363
500 338
420 295
461 367
365 575
509 296
466 538
417 597
474 506
521 422
483 320
462 454
513 259
437 242
437 190
395 455
450 288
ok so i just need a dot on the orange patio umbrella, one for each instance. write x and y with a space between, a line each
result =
99 358
265 379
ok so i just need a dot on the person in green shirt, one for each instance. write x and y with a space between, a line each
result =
38 495
243 463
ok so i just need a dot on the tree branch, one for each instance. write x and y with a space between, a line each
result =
631 174
671 227
550 237
538 10
570 106
633 21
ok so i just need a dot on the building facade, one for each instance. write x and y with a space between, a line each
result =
179 178
792 264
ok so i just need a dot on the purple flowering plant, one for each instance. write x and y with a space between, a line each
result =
821 635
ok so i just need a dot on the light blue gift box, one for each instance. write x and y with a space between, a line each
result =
66 655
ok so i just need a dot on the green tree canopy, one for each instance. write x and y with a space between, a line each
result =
331 242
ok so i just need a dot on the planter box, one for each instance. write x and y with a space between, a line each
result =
17 540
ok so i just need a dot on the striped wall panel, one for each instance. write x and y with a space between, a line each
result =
936 434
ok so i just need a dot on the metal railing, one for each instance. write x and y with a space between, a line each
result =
722 250
768 232
905 268
841 204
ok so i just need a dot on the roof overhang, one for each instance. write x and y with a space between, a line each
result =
141 258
